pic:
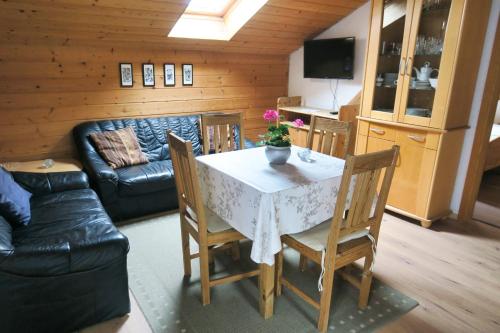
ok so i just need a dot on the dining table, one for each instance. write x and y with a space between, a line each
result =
264 201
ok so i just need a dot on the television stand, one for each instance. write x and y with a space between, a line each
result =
290 109
291 112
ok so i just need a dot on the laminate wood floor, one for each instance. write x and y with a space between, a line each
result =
452 270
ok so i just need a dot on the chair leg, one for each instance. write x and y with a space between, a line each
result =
302 263
235 251
279 272
186 254
366 282
325 301
204 274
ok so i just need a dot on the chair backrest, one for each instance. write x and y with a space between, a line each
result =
289 101
223 128
329 131
186 180
367 206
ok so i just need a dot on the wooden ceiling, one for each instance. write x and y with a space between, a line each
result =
279 27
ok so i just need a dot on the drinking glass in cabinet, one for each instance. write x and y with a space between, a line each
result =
426 58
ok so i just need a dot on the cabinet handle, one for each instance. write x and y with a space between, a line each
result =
402 68
417 138
377 131
406 66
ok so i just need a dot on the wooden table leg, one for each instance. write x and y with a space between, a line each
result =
266 285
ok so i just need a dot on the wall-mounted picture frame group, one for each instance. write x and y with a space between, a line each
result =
148 75
126 75
187 74
169 75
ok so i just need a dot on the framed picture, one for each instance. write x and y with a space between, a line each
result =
148 75
169 75
187 74
126 75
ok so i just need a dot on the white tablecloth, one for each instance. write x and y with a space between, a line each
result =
264 201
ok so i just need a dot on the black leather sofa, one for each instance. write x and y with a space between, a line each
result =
68 268
142 189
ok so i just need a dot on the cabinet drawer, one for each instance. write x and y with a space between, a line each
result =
418 138
382 132
298 136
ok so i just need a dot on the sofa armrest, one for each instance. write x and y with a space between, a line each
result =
97 168
102 177
45 183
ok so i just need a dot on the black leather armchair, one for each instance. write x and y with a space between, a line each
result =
68 268
141 189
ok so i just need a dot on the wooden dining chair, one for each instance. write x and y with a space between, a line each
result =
333 136
203 225
333 139
218 131
338 242
288 101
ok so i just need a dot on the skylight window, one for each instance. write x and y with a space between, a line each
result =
215 19
209 7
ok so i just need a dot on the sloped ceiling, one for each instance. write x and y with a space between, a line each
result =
279 27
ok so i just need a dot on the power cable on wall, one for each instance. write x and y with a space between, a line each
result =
335 105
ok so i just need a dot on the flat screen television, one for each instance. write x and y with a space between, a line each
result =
329 58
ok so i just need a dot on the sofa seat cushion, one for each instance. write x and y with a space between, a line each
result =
146 178
316 238
69 232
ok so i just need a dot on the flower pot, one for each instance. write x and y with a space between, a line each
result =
278 155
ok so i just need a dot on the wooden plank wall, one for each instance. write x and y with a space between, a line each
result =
46 89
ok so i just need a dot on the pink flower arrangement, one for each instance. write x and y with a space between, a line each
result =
298 122
271 115
277 133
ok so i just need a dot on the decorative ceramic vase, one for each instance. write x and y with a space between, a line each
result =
278 155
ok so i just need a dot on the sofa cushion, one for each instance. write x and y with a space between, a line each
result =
119 148
69 232
14 200
145 178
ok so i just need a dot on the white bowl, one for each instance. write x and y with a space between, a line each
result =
433 82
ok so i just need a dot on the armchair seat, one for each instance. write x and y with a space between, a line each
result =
70 232
67 269
146 178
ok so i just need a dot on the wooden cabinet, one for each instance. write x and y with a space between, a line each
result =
425 170
413 174
420 72
421 61
299 136
290 109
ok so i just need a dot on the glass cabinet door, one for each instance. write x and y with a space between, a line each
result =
390 33
424 59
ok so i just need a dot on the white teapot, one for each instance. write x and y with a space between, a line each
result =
425 72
